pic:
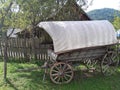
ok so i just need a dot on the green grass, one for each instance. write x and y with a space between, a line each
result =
32 80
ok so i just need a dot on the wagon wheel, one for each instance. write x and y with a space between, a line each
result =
61 73
109 63
92 64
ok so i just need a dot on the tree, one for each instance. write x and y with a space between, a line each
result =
30 12
5 11
22 13
116 23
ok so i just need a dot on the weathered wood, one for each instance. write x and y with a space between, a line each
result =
23 49
82 54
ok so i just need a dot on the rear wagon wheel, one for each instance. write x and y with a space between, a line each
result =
109 63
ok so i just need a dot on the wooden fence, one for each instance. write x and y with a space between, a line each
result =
26 49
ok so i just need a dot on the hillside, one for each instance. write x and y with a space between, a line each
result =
103 14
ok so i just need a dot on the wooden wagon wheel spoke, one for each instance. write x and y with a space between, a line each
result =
113 56
112 70
67 69
67 75
66 78
63 74
105 68
64 66
60 66
62 79
68 72
55 71
88 62
115 59
92 64
54 74
56 77
56 68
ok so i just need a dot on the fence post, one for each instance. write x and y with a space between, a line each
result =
34 48
26 55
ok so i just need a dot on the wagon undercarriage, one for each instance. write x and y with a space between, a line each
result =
104 59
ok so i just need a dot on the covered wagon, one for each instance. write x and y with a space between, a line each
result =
84 42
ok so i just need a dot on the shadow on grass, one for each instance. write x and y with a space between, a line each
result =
10 84
35 81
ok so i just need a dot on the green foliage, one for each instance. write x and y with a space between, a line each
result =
5 13
116 23
28 12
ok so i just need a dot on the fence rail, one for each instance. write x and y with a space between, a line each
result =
25 49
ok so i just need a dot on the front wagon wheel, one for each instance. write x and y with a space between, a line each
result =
61 73
109 63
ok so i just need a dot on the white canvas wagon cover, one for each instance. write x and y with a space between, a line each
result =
71 35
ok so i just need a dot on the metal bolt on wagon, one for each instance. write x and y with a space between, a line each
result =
82 42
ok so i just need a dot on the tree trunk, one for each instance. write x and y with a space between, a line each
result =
33 43
5 58
5 40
